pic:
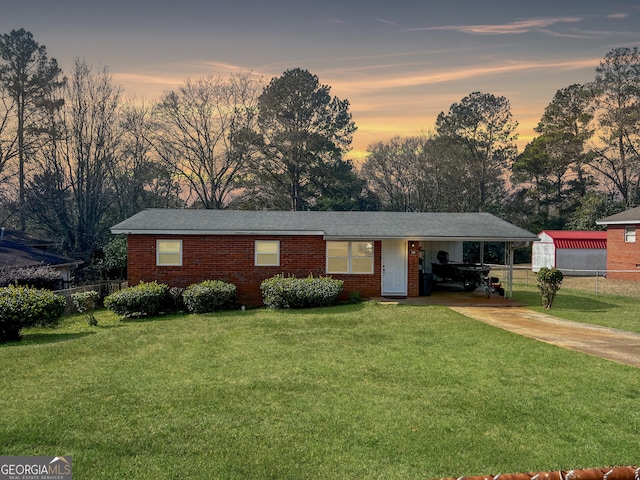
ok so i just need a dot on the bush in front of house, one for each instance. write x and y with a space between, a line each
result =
87 302
144 299
292 292
209 296
22 307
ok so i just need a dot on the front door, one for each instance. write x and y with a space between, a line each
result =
394 267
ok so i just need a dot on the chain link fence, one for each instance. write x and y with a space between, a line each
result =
590 281
103 288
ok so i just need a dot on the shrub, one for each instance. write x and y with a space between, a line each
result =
144 299
292 292
86 302
22 307
355 297
209 296
549 280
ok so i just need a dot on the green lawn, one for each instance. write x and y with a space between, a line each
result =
360 391
607 310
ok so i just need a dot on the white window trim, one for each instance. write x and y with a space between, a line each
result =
158 264
630 234
349 259
255 254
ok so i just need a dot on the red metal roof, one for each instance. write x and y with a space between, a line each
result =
578 239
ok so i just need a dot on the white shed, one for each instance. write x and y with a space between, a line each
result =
575 253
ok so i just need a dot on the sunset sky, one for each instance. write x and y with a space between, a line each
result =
398 63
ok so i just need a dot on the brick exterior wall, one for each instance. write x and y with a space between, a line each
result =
622 255
231 258
413 287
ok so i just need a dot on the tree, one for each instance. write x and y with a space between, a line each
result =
592 207
566 128
482 123
393 171
140 179
74 189
422 174
29 77
8 141
302 131
617 101
338 187
532 168
202 134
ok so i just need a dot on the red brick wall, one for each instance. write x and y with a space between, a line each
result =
231 258
622 255
413 288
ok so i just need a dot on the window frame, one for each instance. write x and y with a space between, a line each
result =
159 253
630 234
256 253
350 257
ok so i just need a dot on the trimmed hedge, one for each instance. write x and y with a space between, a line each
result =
22 307
292 292
144 299
209 296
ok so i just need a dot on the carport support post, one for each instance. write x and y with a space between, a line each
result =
509 279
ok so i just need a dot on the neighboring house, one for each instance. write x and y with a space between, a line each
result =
375 253
19 249
575 253
623 250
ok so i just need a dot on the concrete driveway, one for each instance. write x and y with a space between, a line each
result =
616 345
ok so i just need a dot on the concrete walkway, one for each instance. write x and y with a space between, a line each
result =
616 345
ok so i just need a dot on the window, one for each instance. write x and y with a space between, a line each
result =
267 253
630 234
349 257
168 252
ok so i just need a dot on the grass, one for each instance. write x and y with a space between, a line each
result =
611 311
366 391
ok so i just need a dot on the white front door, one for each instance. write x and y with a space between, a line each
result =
394 267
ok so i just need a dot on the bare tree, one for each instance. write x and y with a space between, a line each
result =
423 173
73 190
8 137
140 179
201 129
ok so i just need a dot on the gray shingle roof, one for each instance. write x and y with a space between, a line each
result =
347 225
631 216
20 249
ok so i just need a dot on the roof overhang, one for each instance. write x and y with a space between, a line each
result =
117 231
618 222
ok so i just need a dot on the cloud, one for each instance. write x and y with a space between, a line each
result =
425 78
522 26
386 22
